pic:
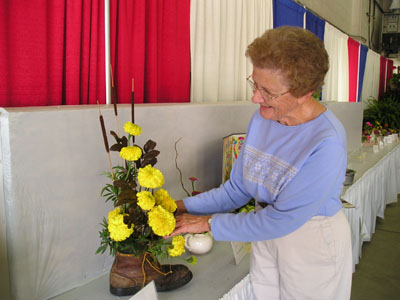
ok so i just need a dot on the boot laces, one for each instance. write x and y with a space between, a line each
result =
155 267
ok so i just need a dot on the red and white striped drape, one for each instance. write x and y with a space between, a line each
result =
354 55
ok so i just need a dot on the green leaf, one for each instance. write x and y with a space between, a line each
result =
191 260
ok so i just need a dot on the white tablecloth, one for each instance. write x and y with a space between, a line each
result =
241 291
377 183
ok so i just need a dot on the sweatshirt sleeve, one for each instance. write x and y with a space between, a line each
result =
319 181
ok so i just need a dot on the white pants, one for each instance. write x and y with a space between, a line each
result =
314 262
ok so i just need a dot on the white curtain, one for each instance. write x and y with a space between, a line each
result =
371 76
219 34
336 87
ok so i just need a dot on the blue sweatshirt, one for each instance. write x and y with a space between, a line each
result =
298 170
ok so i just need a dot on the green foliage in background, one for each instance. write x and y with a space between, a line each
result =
385 111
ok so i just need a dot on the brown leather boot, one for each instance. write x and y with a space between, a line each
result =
129 274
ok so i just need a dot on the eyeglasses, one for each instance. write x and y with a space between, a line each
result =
264 93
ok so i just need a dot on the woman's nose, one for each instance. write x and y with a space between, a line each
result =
257 97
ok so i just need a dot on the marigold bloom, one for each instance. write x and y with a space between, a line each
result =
114 212
132 129
163 198
178 246
150 177
145 200
161 221
131 153
119 231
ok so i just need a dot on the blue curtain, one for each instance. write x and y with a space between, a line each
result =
315 25
287 12
363 59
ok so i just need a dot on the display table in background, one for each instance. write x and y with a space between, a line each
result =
376 184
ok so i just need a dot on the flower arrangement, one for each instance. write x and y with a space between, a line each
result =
143 212
142 215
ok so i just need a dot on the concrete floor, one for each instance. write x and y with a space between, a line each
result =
377 275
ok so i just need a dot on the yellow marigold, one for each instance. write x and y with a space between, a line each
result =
145 200
131 153
161 221
119 231
164 199
114 212
178 246
150 177
132 129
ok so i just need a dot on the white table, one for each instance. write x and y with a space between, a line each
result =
376 184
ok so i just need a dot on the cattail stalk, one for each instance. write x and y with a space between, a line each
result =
103 130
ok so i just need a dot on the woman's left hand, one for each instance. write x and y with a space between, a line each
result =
187 223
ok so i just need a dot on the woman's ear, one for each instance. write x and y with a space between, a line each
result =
305 97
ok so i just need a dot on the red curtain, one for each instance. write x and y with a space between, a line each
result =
51 52
389 71
382 77
150 42
354 50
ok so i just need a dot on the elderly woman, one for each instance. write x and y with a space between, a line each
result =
293 164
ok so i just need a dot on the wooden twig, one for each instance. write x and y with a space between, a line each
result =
179 170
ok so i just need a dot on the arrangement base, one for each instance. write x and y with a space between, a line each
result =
130 274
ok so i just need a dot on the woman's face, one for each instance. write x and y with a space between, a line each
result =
283 108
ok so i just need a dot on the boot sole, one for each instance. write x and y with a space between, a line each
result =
160 288
165 288
124 291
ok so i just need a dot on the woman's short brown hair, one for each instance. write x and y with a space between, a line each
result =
297 53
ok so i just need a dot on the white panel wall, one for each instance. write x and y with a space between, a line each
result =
351 116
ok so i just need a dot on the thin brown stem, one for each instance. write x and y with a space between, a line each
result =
179 170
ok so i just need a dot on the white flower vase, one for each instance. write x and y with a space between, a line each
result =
199 243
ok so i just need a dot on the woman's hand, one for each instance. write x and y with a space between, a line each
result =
187 223
180 207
